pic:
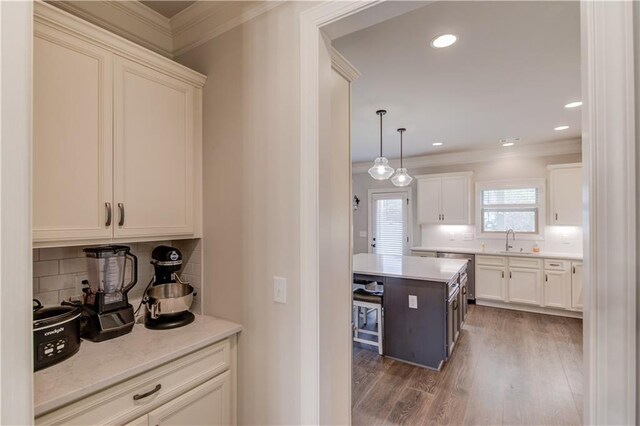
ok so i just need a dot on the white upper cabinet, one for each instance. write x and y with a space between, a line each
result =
154 161
117 137
72 174
565 194
444 199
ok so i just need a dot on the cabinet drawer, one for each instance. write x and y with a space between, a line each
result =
556 265
491 260
521 262
116 405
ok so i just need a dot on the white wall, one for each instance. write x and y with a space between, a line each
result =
16 363
558 239
251 203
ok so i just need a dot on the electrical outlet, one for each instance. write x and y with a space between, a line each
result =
279 290
413 301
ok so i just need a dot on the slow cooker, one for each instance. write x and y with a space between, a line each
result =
56 333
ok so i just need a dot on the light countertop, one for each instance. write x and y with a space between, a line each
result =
412 267
97 366
541 255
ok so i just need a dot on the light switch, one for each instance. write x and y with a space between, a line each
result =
413 301
279 290
363 234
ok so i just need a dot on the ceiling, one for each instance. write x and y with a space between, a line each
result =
168 8
514 67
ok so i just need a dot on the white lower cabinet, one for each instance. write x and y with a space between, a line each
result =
207 404
522 281
576 286
195 389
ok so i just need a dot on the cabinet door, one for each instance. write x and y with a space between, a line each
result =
455 200
429 200
576 286
207 404
566 196
72 137
524 286
557 285
154 152
490 282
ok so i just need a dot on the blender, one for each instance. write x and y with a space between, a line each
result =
107 312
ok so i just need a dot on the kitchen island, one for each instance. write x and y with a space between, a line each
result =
424 304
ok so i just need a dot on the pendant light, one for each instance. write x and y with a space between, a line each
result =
381 169
401 178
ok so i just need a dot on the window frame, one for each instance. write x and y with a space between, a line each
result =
539 184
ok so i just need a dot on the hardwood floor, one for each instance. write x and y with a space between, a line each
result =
509 368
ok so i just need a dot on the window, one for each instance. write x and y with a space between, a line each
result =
517 206
389 222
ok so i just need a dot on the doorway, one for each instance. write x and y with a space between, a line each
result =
602 27
390 221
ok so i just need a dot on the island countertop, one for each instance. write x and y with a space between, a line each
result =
100 365
411 267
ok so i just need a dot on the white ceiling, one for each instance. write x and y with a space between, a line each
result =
168 8
514 67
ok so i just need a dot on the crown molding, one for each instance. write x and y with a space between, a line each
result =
545 149
343 66
129 19
205 20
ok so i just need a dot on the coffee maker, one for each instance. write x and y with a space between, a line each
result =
167 299
107 312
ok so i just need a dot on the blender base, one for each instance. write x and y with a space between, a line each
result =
168 322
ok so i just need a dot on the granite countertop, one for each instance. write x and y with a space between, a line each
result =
488 252
97 366
412 267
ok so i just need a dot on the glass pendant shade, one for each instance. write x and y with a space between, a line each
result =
401 178
381 169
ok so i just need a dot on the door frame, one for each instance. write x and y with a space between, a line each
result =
609 193
406 190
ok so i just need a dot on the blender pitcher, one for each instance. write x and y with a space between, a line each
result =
106 267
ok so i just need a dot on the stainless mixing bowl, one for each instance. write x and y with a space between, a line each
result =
169 299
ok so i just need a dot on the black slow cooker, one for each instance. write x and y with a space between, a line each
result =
56 333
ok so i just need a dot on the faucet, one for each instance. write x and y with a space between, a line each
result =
510 231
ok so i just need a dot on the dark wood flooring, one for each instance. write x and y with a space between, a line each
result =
508 368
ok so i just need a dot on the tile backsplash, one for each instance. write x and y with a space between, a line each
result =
58 272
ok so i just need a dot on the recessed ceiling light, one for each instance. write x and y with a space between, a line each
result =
561 128
444 40
509 141
437 144
573 104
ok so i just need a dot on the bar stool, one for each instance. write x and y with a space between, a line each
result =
368 300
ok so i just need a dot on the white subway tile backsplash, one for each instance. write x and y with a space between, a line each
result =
70 266
44 268
36 285
57 282
58 253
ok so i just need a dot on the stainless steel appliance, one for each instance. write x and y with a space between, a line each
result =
56 333
167 299
471 271
107 311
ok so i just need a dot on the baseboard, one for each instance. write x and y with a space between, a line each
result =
527 308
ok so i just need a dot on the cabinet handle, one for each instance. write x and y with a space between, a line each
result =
574 270
137 396
510 274
455 305
556 216
121 208
546 277
464 290
502 274
107 207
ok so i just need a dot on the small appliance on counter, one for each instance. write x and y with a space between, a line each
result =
167 299
56 333
107 311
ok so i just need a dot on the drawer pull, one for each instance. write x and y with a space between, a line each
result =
554 264
137 397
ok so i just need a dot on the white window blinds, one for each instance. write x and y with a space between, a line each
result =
389 226
510 208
